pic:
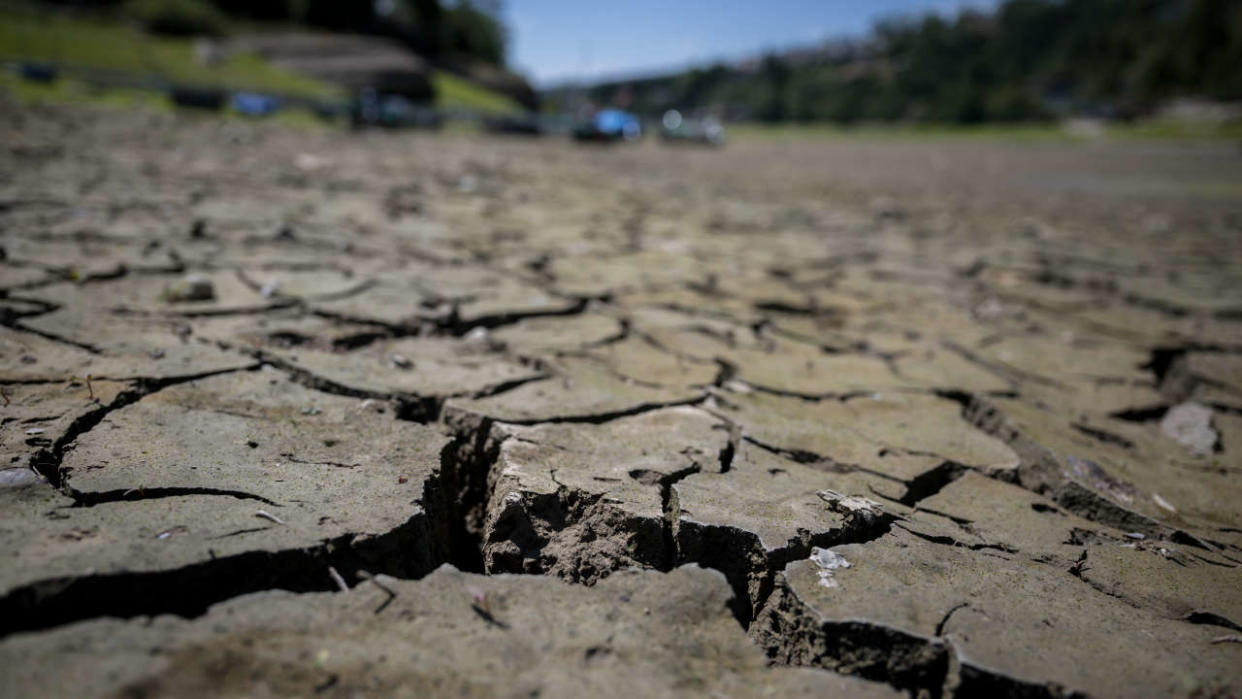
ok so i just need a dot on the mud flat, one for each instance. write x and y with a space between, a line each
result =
294 412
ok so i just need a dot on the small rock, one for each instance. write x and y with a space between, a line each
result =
17 477
1190 424
192 287
400 361
850 504
309 162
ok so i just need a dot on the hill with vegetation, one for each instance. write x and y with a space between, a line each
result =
1028 60
455 52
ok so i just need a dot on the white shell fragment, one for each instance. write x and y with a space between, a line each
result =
828 561
1163 503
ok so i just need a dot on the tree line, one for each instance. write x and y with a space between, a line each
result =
433 28
1028 60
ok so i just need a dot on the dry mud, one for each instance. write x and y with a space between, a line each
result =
293 412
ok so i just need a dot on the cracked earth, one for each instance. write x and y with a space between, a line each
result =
292 412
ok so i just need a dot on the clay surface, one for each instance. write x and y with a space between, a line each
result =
298 412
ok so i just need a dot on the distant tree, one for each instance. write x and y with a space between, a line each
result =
424 20
177 17
272 10
773 103
472 30
337 15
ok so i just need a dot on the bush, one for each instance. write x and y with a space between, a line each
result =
177 17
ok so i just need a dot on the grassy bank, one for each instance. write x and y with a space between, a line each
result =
454 92
99 45
115 46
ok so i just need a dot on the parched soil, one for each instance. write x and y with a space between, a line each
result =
294 412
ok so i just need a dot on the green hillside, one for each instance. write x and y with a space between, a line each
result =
112 45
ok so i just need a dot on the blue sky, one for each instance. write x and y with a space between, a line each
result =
555 41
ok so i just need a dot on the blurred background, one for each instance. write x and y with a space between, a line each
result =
612 71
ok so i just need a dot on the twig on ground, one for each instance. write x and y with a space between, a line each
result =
387 590
336 578
268 515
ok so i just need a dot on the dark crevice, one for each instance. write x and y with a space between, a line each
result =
822 463
1163 359
1103 435
601 418
454 325
504 387
9 315
92 498
931 482
210 312
421 409
623 333
1150 414
977 682
1211 619
944 620
188 591
396 330
457 498
729 451
950 541
53 337
810 397
669 509
727 372
828 314
1227 409
359 340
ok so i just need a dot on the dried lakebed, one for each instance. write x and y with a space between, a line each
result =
299 413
